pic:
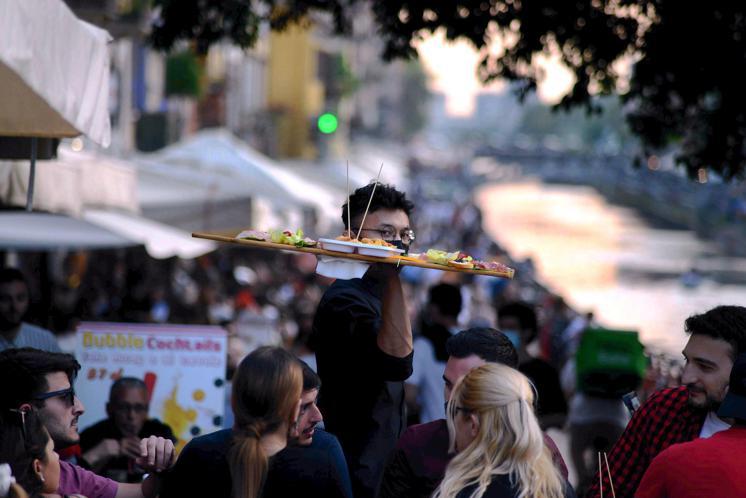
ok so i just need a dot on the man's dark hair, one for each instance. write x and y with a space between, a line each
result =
727 323
311 379
447 298
524 313
489 344
385 197
23 372
126 383
8 275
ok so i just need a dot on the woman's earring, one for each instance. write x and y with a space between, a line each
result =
41 476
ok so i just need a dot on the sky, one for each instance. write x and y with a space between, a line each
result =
452 68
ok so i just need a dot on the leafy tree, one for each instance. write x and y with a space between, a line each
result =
685 88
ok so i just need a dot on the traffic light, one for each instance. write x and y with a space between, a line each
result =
327 123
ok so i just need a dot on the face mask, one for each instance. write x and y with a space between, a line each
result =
399 245
514 336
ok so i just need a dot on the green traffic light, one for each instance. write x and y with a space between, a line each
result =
327 123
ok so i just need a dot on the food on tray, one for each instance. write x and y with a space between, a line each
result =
292 239
462 261
492 266
440 257
376 242
253 235
345 238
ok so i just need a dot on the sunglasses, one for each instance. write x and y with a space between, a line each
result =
67 395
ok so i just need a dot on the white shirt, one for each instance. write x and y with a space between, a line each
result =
713 425
427 375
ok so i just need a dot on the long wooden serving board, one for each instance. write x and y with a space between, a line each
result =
358 257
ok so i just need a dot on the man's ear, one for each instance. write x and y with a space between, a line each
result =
473 424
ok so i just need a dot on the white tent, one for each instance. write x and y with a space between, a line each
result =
213 168
54 72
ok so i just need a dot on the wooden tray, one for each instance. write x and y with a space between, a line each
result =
358 257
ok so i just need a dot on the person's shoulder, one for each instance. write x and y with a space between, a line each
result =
38 333
414 435
323 440
671 399
215 442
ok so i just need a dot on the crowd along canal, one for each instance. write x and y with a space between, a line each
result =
607 259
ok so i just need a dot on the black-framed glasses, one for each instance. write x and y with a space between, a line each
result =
127 407
389 233
466 411
66 394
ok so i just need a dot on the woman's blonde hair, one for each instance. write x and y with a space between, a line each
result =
509 440
266 390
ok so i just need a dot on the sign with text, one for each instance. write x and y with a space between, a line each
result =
183 367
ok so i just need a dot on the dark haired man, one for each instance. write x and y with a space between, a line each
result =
112 445
714 465
517 320
45 381
363 342
14 303
683 413
419 462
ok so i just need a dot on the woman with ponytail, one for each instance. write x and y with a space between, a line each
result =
233 463
501 450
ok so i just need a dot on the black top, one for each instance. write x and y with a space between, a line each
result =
121 468
202 470
500 487
545 378
363 388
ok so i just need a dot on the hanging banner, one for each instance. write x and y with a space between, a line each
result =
183 367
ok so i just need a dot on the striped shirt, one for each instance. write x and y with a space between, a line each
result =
31 336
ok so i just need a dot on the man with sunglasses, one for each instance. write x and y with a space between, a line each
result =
363 342
112 445
43 380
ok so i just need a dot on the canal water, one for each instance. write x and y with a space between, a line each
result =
609 260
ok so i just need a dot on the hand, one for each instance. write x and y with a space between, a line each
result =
104 450
156 454
130 447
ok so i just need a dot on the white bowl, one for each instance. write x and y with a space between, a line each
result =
378 251
338 245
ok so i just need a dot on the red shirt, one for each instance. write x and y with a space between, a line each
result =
700 468
664 420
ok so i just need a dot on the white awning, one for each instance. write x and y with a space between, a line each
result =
54 72
161 241
20 230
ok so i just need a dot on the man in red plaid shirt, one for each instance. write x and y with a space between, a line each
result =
684 413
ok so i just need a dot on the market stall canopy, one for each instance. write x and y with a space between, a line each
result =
215 166
54 72
72 182
161 241
23 231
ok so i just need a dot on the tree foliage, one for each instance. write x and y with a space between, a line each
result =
685 88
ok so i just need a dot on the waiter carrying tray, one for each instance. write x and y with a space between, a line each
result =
363 342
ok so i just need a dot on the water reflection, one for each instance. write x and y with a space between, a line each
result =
606 259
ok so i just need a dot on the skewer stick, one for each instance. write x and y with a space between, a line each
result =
349 222
369 201
608 469
600 476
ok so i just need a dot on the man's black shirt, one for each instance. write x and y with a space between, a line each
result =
362 398
120 468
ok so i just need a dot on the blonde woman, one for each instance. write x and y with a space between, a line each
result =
501 451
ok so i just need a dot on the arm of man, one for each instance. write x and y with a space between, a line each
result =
398 477
395 335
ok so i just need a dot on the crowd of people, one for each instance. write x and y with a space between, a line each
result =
415 382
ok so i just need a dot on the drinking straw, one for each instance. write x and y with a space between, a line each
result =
608 469
349 223
600 475
369 201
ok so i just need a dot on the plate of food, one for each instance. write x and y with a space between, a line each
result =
377 248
